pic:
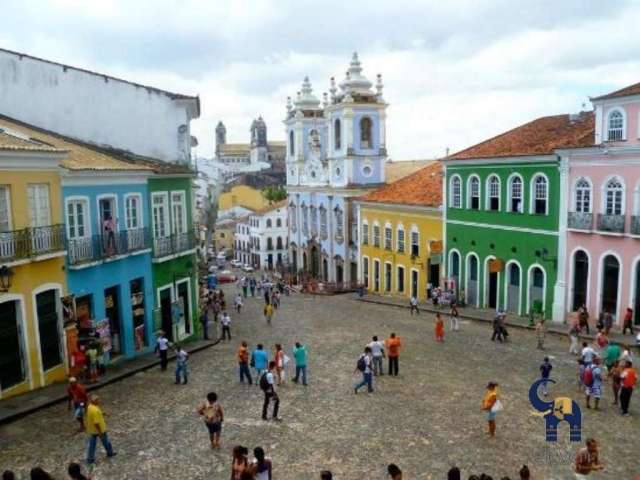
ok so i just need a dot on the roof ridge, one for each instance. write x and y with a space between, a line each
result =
616 93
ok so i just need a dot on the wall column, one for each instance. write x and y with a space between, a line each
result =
560 289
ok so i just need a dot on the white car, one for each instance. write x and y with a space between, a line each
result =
236 263
247 268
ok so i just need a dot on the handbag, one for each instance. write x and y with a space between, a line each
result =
496 407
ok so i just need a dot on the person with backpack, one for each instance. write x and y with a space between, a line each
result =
593 382
213 415
267 380
588 354
364 366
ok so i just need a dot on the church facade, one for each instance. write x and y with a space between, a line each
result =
335 152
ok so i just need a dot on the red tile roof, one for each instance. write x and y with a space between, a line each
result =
623 92
423 188
539 137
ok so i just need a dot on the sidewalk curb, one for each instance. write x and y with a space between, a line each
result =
116 378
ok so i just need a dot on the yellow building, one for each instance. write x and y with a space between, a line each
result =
32 277
242 196
400 227
223 235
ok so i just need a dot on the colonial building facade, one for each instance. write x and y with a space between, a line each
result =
335 152
261 240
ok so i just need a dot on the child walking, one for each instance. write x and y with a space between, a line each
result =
545 372
439 330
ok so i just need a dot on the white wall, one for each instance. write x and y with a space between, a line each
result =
95 108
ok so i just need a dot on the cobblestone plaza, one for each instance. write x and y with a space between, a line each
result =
425 420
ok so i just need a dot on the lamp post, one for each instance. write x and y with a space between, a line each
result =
5 278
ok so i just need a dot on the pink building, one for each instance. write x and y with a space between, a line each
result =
602 211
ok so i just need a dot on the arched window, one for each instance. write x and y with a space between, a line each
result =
615 126
279 243
540 195
388 236
582 196
400 240
278 222
614 193
376 235
456 192
337 135
473 201
291 144
493 193
269 223
515 194
365 233
365 132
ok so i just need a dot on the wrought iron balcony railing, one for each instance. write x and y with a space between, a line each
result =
105 246
31 242
611 223
580 220
172 244
635 224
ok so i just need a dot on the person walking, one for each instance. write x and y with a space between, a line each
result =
77 398
213 415
413 303
587 460
377 354
252 286
611 354
439 328
259 360
226 326
245 287
96 427
243 363
240 464
454 316
615 374
629 379
608 322
593 383
491 404
300 357
364 366
261 468
268 312
393 345
279 361
627 321
587 354
182 359
267 381
583 318
497 328
574 333
204 319
540 334
162 348
238 303
545 372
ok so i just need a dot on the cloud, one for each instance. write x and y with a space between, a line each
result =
455 72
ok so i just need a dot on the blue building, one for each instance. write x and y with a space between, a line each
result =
335 152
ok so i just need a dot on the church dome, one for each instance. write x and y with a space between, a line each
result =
306 100
354 82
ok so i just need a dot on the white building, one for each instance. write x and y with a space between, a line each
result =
265 234
97 108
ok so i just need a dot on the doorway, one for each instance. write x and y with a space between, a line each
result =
454 271
183 299
434 274
376 275
387 277
513 288
11 365
354 274
492 290
165 312
472 281
414 283
610 276
49 328
112 312
580 279
339 274
536 290
325 270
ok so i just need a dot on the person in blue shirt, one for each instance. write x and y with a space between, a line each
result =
545 371
300 356
259 359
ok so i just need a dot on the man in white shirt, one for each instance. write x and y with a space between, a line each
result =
377 354
414 305
588 353
364 366
162 347
267 386
226 326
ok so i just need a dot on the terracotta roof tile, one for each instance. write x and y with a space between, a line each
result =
539 137
11 140
396 170
423 188
623 92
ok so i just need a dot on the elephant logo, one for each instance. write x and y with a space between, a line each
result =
561 409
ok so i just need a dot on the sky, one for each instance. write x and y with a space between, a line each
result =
455 72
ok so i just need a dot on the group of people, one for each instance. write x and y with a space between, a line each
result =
370 363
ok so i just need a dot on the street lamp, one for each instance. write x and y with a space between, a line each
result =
5 278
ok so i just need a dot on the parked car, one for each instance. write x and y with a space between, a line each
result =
226 276
236 263
247 268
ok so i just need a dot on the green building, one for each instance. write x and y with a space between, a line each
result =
174 268
502 203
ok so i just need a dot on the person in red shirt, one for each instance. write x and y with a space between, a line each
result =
439 330
393 345
627 322
79 360
629 379
77 394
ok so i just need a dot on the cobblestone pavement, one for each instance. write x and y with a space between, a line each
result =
426 420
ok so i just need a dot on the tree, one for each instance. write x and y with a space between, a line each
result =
274 193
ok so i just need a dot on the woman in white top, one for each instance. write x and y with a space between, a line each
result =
261 467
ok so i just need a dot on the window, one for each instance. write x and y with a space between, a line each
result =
323 222
615 126
291 144
583 196
365 234
132 212
278 223
515 195
5 209
365 132
160 215
77 211
540 192
305 220
269 243
314 220
474 193
614 191
179 211
415 244
339 218
376 235
268 223
39 210
337 135
387 237
365 271
493 192
400 244
400 281
456 192
279 243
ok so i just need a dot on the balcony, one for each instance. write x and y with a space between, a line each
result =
31 242
173 244
103 247
580 221
611 223
635 225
